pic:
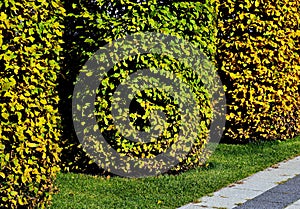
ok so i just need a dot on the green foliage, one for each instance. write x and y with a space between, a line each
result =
30 38
258 58
92 24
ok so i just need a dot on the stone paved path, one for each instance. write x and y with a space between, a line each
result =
277 187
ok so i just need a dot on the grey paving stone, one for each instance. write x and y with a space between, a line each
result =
228 198
260 205
220 203
275 176
283 195
254 186
295 205
257 184
291 164
191 206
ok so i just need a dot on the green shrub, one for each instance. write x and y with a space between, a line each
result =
258 58
30 38
92 24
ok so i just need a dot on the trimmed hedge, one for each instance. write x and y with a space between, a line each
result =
30 39
92 24
258 58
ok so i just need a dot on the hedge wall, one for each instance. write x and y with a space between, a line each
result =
258 58
30 39
92 24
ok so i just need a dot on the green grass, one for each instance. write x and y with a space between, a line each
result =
229 163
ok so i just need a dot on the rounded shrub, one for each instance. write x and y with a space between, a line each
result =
91 25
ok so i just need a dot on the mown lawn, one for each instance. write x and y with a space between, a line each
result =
228 164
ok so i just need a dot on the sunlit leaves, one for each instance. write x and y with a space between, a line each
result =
95 23
30 37
258 55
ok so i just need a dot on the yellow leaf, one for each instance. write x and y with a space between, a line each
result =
29 144
31 39
43 101
2 174
5 115
241 16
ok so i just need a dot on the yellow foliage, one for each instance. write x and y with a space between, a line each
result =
26 79
258 57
